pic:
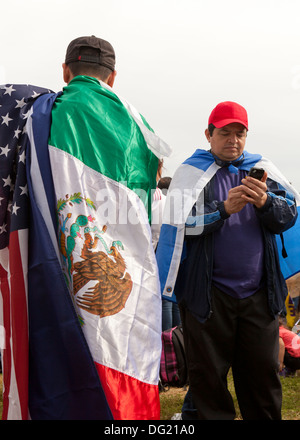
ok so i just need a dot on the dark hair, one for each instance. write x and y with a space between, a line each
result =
211 128
282 321
164 182
89 69
159 168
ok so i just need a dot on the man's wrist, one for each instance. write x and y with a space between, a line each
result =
265 201
223 212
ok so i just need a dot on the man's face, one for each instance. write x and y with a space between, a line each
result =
228 142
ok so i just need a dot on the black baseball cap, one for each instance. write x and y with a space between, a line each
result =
83 49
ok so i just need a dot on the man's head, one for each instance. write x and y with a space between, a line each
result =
90 56
164 183
227 130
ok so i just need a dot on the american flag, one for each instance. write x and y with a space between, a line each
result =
15 104
41 329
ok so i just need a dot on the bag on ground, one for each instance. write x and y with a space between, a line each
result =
173 366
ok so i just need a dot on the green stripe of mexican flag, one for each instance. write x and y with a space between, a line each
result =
104 161
115 144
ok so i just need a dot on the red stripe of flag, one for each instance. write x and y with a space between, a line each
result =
6 354
19 315
119 389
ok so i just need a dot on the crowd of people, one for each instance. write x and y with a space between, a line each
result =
213 233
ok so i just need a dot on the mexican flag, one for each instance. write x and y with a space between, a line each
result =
80 301
104 162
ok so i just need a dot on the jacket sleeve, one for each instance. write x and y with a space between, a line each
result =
280 211
206 219
278 214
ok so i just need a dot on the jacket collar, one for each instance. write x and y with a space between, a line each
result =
232 166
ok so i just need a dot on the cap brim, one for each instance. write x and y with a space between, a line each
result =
224 122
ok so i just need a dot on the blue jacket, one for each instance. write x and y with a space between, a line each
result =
194 279
185 248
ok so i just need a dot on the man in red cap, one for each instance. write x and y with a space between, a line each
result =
227 133
223 258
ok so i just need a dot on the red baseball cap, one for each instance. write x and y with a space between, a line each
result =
226 113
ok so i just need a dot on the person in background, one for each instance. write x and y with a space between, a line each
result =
164 183
289 350
157 207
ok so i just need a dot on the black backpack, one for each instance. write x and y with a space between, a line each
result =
173 365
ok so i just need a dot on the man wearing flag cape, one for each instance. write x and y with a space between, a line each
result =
223 254
81 303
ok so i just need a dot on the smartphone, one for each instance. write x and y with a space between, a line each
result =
257 173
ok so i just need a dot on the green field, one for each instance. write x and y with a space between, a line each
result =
171 400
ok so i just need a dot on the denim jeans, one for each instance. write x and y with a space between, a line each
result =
170 315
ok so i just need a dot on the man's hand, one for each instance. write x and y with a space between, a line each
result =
251 191
235 202
255 190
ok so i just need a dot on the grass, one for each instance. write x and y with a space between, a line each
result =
171 400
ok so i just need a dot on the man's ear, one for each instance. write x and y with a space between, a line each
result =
207 134
67 75
111 79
